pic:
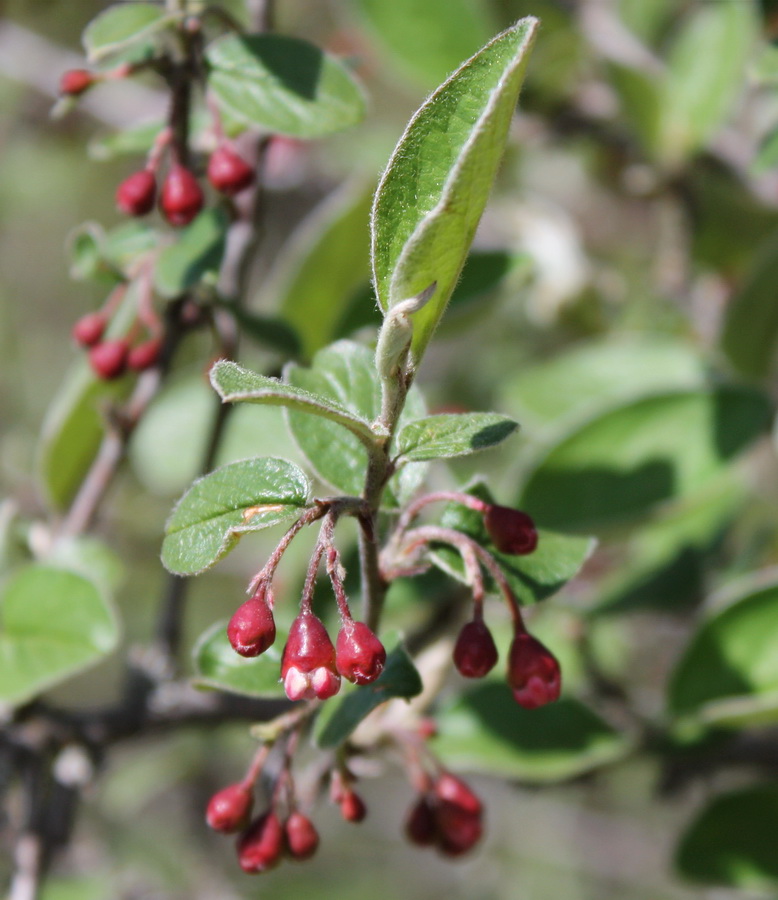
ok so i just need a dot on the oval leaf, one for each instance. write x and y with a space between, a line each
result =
624 462
447 436
283 85
487 731
732 841
217 665
728 674
219 508
121 26
53 623
435 187
196 255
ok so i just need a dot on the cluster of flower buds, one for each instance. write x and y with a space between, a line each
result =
269 838
448 817
110 358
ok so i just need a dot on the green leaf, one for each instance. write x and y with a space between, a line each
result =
732 841
728 674
592 376
229 502
435 187
400 678
345 374
485 730
217 665
751 323
84 249
557 558
119 27
322 266
283 85
234 384
427 40
767 155
196 255
53 623
90 558
447 436
664 563
125 243
706 70
624 462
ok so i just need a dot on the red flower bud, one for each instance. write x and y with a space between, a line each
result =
261 846
450 789
228 172
352 806
75 82
145 355
251 629
109 359
89 329
229 809
511 530
421 826
308 663
182 197
359 655
458 829
302 838
475 652
533 672
135 196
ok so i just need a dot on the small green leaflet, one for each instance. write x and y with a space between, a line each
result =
53 623
447 436
435 187
231 501
283 85
196 255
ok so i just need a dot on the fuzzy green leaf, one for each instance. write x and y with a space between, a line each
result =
487 731
447 436
234 384
624 462
436 185
196 255
53 623
731 842
284 85
217 665
400 678
120 26
229 502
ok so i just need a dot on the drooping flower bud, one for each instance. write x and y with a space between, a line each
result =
475 653
352 806
261 846
359 655
308 663
533 672
420 826
230 808
228 172
109 359
135 196
89 329
252 629
458 816
511 530
76 81
302 838
182 197
145 355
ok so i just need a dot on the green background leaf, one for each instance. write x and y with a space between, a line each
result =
219 508
432 194
217 665
196 255
120 26
53 623
284 85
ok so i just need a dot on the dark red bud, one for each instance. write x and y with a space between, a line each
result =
251 629
421 826
352 806
228 172
145 355
450 789
475 652
89 329
359 655
135 196
533 672
109 359
511 530
261 846
302 838
458 830
230 808
308 662
75 82
182 197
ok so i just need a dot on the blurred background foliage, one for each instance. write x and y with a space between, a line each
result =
621 302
